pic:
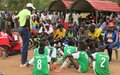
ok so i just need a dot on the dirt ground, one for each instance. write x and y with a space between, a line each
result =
10 66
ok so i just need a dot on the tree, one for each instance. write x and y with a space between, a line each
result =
19 4
41 4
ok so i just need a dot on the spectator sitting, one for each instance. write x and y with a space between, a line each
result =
15 44
95 34
4 43
59 34
47 28
111 39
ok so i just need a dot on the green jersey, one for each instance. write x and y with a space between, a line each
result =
69 49
101 63
40 64
51 51
82 59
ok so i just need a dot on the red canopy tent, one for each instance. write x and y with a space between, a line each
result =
67 3
91 5
104 5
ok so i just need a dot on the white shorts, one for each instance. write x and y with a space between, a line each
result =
79 70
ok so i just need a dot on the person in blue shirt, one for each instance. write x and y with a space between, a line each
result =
111 39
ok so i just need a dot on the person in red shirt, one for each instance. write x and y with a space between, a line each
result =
4 43
15 44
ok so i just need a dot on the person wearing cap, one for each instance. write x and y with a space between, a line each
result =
24 27
111 39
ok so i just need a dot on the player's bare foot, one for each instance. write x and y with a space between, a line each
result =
23 65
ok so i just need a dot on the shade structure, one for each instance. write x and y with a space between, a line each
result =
91 5
59 5
67 3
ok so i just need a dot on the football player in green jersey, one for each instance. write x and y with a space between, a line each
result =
67 50
40 60
101 62
80 59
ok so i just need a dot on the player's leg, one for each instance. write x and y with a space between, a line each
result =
31 62
57 63
64 65
60 51
94 67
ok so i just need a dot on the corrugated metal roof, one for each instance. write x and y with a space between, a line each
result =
67 3
104 5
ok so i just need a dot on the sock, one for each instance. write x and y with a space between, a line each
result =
65 64
60 51
31 62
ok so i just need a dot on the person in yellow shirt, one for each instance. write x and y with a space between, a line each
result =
59 34
34 26
95 34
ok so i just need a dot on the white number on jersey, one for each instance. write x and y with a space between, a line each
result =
68 51
103 61
39 62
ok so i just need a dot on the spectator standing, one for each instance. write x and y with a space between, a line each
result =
66 23
25 22
76 16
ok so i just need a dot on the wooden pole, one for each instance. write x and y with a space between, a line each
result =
96 16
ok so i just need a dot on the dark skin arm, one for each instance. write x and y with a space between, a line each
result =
16 21
73 61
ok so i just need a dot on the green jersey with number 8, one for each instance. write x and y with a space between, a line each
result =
69 49
101 63
40 64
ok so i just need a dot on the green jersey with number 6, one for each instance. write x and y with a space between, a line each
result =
69 49
40 64
82 59
101 63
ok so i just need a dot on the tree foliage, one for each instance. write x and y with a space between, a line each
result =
19 4
41 4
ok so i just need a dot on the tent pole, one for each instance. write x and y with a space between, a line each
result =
70 16
96 16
